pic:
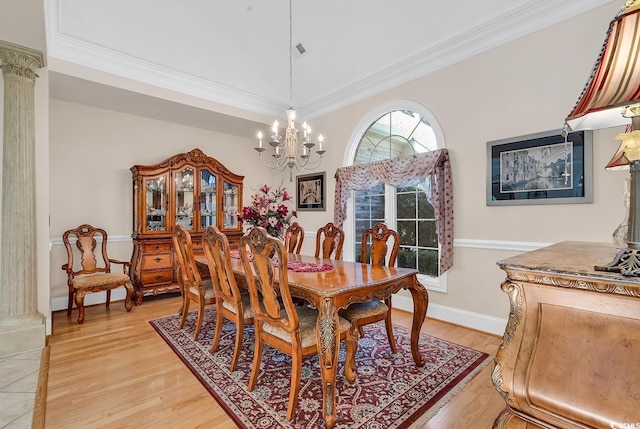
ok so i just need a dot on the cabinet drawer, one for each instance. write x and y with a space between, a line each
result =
161 260
157 247
153 277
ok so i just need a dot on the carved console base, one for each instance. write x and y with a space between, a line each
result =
569 355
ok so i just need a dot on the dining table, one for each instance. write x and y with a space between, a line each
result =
330 285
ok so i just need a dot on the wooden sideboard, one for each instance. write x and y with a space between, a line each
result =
190 189
570 354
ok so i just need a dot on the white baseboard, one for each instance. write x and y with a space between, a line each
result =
60 303
477 321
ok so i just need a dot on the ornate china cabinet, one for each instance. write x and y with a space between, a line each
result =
190 189
569 355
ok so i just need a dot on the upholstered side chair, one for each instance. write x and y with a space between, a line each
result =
88 268
193 287
278 322
231 304
374 251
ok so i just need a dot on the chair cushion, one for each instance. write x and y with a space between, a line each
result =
307 317
100 280
364 309
207 288
247 312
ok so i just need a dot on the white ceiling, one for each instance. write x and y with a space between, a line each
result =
232 56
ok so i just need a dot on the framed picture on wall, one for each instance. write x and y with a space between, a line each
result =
541 168
311 192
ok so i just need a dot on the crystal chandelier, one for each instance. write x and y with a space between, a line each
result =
291 152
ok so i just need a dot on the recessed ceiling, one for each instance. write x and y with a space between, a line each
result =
236 53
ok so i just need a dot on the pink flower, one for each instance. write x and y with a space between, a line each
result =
273 221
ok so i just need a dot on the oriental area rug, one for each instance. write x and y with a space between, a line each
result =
389 392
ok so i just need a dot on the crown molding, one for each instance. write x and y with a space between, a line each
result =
533 16
520 22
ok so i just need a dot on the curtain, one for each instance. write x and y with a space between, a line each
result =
432 170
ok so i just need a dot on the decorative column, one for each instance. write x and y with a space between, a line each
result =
21 325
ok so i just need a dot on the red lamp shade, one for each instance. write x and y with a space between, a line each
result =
614 83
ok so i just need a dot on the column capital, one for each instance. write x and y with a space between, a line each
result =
20 60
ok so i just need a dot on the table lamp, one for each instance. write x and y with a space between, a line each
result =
611 97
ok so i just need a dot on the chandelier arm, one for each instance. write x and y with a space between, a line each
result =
276 166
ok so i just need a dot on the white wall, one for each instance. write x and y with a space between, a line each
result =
92 151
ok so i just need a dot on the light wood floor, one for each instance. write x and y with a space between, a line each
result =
114 371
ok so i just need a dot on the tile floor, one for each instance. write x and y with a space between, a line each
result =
18 384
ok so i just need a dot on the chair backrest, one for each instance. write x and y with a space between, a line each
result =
218 253
293 238
375 245
333 240
258 253
188 270
90 260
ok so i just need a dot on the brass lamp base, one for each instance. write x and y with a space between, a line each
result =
626 262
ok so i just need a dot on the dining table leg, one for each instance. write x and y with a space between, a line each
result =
328 337
420 303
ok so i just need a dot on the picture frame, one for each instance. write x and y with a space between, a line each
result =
311 192
541 168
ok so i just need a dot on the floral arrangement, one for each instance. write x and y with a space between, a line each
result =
268 210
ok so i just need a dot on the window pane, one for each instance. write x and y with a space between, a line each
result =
425 209
377 207
361 225
361 206
407 258
427 233
406 204
428 262
407 231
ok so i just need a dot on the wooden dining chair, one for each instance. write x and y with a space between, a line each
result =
278 322
293 238
192 286
328 239
231 303
88 268
374 250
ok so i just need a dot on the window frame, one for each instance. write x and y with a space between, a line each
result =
437 284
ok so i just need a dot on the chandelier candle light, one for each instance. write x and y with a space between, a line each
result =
610 98
290 152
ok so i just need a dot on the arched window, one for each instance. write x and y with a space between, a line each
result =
398 129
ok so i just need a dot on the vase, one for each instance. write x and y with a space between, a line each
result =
621 233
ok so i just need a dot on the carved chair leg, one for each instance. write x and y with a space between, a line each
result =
70 306
257 357
199 321
127 300
185 311
351 343
389 326
238 345
108 298
296 372
80 304
218 328
361 331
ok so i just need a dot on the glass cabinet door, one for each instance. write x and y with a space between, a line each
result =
184 198
156 204
207 199
230 206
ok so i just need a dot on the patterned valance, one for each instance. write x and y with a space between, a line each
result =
431 169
